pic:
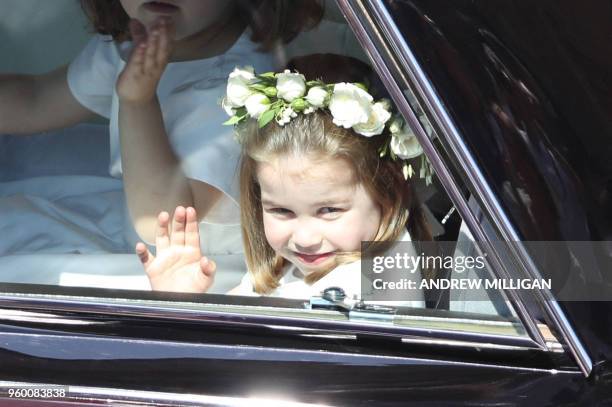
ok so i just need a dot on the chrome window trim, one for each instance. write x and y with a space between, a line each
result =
137 349
477 183
166 310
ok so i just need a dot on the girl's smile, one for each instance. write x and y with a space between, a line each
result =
313 210
313 259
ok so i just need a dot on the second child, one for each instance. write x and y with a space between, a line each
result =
156 70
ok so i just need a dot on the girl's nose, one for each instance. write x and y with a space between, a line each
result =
306 238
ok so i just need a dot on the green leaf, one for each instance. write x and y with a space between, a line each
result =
233 120
268 75
267 81
361 85
277 112
266 117
258 87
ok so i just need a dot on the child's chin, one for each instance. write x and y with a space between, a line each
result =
323 267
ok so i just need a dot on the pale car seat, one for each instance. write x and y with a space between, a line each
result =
483 301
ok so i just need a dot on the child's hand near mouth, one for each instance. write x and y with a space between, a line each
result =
150 55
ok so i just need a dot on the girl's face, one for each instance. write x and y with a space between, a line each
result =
189 16
312 210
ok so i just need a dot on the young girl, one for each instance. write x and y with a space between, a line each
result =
160 93
322 171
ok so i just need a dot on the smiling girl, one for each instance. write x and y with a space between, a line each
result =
320 173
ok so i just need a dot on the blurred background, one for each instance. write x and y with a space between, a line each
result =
37 36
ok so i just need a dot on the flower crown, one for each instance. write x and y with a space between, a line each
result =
282 96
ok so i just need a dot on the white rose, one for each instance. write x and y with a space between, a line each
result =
376 121
256 104
316 96
290 85
405 145
237 86
349 105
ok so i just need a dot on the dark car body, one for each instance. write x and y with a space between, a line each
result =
520 95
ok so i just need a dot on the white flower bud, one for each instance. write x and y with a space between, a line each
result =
316 96
290 85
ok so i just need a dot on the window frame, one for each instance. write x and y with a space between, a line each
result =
275 313
381 39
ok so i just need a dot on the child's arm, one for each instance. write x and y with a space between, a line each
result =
35 103
179 265
153 179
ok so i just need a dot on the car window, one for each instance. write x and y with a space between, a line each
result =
66 219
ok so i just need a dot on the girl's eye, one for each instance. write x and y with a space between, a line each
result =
329 210
280 211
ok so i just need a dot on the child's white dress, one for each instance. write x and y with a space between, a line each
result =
189 93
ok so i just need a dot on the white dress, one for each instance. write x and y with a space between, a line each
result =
189 93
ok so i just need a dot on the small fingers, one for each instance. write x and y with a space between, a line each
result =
192 231
208 267
150 59
162 238
137 58
145 256
165 43
177 236
137 31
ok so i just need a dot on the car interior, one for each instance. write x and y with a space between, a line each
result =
64 215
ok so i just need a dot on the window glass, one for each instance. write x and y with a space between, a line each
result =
110 147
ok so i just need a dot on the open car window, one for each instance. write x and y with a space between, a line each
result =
68 240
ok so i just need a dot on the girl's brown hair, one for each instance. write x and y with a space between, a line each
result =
315 134
271 21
